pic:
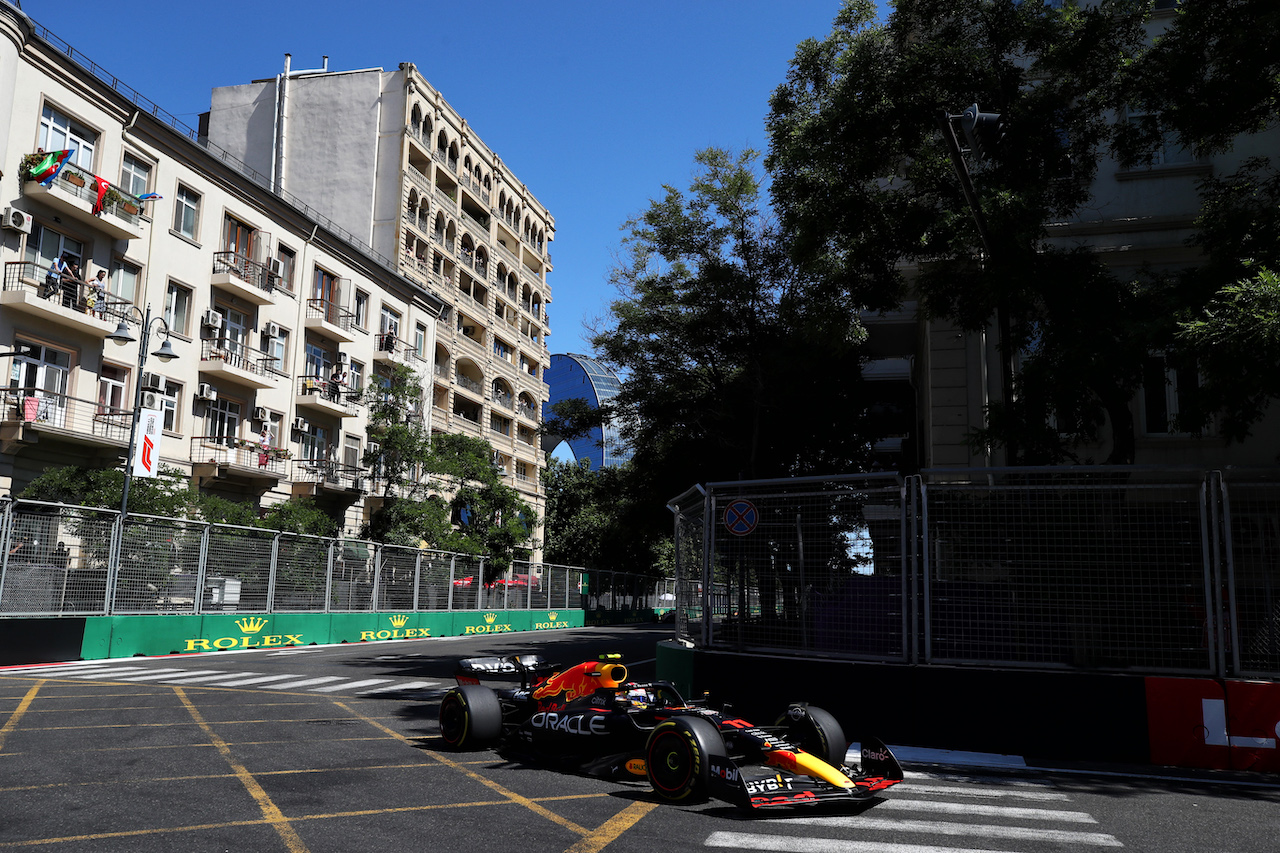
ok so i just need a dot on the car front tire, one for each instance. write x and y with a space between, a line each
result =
470 717
677 758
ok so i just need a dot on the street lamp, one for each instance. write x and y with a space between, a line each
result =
164 352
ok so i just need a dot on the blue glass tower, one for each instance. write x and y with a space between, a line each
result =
574 376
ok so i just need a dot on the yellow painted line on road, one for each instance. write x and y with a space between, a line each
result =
488 783
269 809
12 723
612 828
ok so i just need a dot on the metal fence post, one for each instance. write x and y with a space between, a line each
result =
1227 571
920 540
417 576
708 560
113 564
375 597
5 536
328 578
453 562
202 567
271 571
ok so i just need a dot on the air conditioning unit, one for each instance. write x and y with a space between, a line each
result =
301 425
272 330
212 319
468 330
344 358
206 392
275 267
374 447
260 413
17 220
153 382
152 400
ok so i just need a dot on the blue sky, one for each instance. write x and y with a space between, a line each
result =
593 105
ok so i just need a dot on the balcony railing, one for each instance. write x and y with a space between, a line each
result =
237 354
82 184
503 400
331 474
482 224
250 271
239 453
529 412
470 384
72 295
331 392
330 312
38 408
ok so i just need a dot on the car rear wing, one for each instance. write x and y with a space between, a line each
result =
471 670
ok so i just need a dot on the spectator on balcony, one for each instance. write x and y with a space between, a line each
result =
95 302
71 284
336 380
53 278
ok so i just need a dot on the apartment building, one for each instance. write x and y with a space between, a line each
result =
933 381
384 156
278 316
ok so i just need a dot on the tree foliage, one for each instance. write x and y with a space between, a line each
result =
865 185
733 365
590 520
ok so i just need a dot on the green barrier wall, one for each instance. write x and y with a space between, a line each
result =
125 636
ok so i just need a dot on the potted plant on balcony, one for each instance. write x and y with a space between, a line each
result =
74 178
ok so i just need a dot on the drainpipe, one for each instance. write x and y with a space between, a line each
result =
282 117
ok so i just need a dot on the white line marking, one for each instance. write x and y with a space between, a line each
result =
261 679
163 673
351 685
115 671
306 682
204 678
956 791
412 685
942 827
985 811
749 841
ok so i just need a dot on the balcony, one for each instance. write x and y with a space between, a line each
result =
467 383
238 363
222 457
312 476
331 320
28 414
387 348
25 293
243 277
74 193
323 395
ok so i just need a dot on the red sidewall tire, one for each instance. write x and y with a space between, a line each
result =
676 758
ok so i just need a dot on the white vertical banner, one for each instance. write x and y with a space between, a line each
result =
146 451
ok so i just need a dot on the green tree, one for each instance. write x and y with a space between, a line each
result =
733 366
589 520
866 188
394 400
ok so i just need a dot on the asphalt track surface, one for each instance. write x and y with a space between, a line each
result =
336 749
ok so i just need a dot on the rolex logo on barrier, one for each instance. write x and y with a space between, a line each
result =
550 623
398 630
251 624
250 638
490 626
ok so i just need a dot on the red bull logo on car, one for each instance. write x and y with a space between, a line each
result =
582 680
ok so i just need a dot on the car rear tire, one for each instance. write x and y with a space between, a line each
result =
816 732
470 717
677 758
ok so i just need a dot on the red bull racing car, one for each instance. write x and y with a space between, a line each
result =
590 719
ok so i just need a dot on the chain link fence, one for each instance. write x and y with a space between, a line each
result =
68 560
1114 569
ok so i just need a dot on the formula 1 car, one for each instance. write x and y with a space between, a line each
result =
589 719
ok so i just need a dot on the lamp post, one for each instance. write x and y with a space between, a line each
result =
164 352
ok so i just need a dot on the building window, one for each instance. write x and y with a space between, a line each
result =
288 260
222 419
186 212
420 341
170 403
356 379
238 238
57 132
325 287
502 349
1166 391
1169 152
135 176
177 309
111 382
277 349
124 280
390 322
351 451
362 309
45 244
